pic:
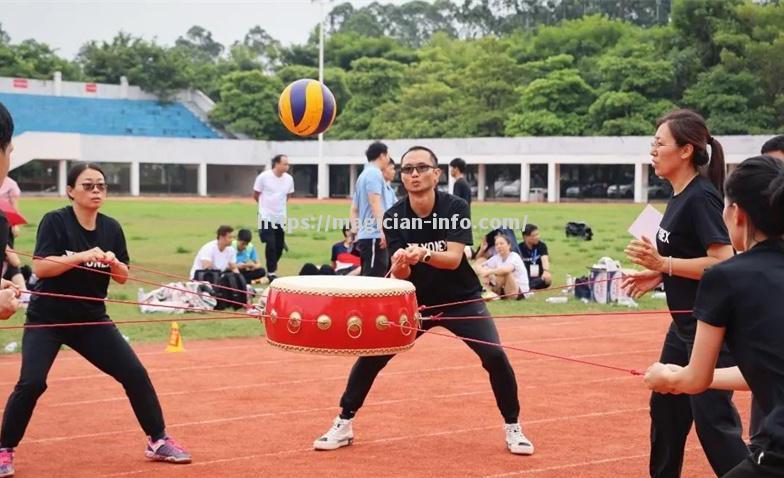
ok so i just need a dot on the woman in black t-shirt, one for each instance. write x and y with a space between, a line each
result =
740 301
71 236
691 238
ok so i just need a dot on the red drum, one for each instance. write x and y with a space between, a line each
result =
341 315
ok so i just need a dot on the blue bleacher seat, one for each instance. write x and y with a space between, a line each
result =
103 116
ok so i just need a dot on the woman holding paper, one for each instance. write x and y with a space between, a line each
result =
691 238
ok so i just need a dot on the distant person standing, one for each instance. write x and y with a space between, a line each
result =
462 189
390 198
368 209
272 189
774 147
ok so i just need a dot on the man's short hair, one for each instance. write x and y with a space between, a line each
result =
774 144
244 235
433 156
223 230
277 158
459 164
375 150
6 127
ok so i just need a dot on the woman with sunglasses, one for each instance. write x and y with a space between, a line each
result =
78 235
691 238
740 302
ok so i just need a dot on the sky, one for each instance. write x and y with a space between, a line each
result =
67 24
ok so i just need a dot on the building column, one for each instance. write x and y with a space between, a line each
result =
525 182
58 84
450 182
553 182
202 179
62 176
124 87
641 182
135 167
481 178
322 185
352 179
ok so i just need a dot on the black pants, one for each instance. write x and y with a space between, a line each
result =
494 360
769 465
274 237
375 260
757 436
253 274
101 345
713 413
536 283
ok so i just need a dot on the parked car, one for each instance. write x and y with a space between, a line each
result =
620 191
659 191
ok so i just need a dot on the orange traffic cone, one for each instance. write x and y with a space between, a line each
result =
175 339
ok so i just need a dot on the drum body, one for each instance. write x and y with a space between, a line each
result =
341 315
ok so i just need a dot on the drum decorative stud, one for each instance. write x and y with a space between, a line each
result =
294 322
405 328
324 322
354 327
273 316
382 323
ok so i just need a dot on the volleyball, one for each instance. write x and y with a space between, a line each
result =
307 107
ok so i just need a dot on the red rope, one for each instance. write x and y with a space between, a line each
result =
121 322
126 302
519 349
142 281
574 314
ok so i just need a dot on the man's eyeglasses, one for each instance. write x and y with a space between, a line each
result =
91 186
420 168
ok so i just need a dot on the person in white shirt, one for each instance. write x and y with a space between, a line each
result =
505 272
217 254
272 189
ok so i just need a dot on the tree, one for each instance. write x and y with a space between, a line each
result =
32 59
146 64
4 37
372 82
733 102
248 105
424 110
698 21
199 43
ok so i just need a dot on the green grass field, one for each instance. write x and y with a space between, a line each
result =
165 234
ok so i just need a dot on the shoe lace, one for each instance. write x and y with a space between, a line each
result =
6 457
170 441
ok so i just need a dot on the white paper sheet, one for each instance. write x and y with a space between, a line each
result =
646 224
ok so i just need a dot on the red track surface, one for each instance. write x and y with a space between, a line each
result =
245 409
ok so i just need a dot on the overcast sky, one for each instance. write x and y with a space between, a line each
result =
67 24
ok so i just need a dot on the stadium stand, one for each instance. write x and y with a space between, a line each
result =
96 116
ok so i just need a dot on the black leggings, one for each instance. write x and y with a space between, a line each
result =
494 360
712 412
101 345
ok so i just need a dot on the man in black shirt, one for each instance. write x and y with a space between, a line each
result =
462 189
8 300
536 258
429 253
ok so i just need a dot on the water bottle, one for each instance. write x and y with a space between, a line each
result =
569 285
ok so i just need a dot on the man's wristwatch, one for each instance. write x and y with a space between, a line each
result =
428 256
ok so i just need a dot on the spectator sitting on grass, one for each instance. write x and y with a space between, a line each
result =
536 258
344 262
504 272
217 254
247 257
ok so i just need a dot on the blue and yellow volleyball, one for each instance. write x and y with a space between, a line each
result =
307 107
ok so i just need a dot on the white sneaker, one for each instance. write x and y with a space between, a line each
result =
338 436
516 442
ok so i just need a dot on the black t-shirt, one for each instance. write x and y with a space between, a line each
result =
745 294
60 234
533 256
6 238
691 223
463 190
434 286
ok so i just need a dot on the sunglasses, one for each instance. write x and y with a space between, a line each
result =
420 168
92 186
